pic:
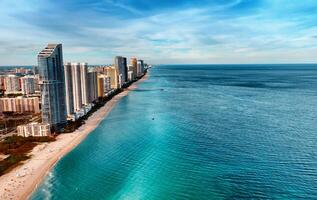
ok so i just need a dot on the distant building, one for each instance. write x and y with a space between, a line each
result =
20 105
69 89
77 88
121 67
120 80
101 85
34 129
130 76
107 84
2 82
140 68
114 77
134 66
84 83
23 71
12 84
35 70
28 85
50 62
92 86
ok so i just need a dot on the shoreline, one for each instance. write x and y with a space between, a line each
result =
24 179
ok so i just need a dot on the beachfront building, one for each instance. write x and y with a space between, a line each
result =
28 85
140 68
134 66
69 89
92 86
114 76
130 76
52 80
77 89
101 85
34 130
121 66
84 83
20 105
107 84
12 84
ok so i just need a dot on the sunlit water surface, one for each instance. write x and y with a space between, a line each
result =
201 132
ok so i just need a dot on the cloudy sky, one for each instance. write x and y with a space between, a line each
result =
161 31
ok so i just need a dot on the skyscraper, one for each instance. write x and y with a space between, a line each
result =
121 67
101 85
77 89
69 88
50 62
140 68
134 64
113 74
84 82
92 87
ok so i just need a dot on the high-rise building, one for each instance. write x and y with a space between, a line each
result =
92 86
107 83
50 62
112 73
121 67
130 76
69 88
28 85
12 84
140 68
77 89
101 85
134 64
84 82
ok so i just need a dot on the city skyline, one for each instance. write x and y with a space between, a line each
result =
161 32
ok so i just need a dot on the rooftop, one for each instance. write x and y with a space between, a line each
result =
49 49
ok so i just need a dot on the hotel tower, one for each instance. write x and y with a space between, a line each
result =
50 62
120 64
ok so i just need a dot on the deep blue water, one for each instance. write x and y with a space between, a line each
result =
219 132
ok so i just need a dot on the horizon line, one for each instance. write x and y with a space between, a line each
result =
299 63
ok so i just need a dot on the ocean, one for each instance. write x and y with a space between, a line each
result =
200 132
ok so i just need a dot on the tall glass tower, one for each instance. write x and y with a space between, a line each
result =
120 64
50 62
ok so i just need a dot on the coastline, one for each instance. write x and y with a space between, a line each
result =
20 182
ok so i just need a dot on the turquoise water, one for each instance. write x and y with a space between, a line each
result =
201 132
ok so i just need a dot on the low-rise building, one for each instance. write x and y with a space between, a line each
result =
34 129
12 84
28 85
20 105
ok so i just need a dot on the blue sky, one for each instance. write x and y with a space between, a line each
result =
161 31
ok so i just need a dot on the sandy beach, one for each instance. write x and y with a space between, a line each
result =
20 182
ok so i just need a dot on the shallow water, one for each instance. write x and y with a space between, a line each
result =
201 132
